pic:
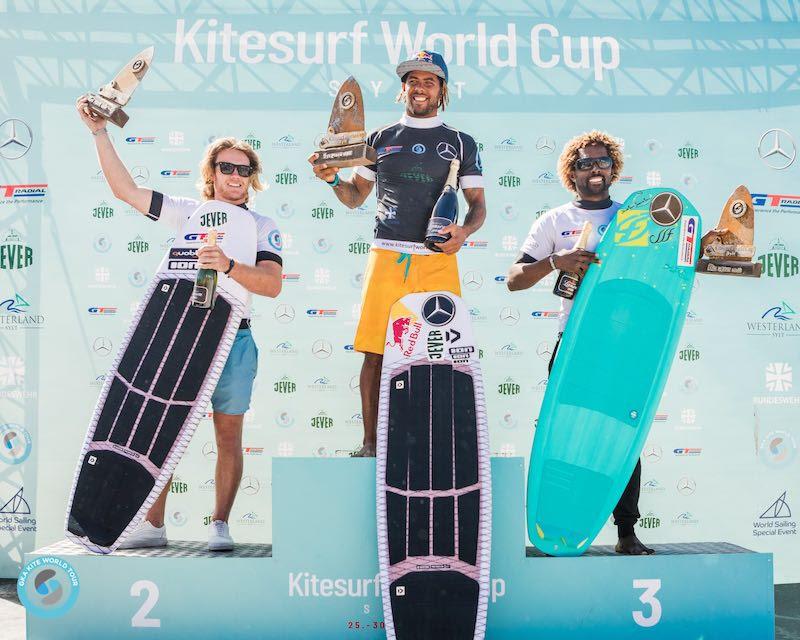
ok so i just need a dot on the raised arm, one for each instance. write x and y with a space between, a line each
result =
117 175
352 192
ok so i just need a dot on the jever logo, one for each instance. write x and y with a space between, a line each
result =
213 219
103 211
509 180
14 254
778 262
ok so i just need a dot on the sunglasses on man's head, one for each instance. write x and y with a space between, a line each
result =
584 164
244 170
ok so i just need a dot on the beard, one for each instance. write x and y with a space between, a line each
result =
421 110
594 189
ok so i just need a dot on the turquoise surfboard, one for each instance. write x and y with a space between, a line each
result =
611 368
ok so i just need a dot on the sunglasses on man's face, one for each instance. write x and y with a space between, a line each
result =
584 164
244 170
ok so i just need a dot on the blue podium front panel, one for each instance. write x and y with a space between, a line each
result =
319 578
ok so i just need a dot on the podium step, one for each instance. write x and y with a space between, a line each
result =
319 578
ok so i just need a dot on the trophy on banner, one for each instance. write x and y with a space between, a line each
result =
729 248
109 100
345 143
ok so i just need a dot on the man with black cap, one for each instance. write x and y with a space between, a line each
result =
413 161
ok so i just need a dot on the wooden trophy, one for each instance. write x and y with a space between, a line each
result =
109 100
345 143
729 248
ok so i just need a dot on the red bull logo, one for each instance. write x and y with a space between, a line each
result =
425 56
405 333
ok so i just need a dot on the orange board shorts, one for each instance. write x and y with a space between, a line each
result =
390 275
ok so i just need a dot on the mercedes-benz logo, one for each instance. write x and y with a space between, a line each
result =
438 310
545 144
140 174
355 384
209 450
446 151
666 209
544 350
284 313
509 315
777 149
473 280
686 486
321 349
102 346
250 486
16 139
652 453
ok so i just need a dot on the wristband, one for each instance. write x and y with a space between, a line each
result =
230 266
99 131
553 263
335 182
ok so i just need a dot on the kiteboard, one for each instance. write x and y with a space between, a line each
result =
160 383
612 365
433 473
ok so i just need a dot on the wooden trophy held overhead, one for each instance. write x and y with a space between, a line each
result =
729 248
109 100
345 143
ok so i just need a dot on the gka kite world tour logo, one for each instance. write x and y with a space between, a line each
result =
48 586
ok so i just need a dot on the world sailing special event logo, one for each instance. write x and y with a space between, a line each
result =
48 586
776 519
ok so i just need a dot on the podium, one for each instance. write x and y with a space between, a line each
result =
319 578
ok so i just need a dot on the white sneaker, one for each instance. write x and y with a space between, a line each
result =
146 536
219 536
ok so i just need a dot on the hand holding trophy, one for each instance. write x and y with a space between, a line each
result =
109 100
344 144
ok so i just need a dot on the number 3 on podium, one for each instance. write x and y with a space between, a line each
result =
650 587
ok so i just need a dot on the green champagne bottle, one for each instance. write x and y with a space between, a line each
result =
205 284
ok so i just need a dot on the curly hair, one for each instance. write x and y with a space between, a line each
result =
566 161
206 182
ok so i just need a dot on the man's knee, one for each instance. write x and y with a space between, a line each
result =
372 362
228 430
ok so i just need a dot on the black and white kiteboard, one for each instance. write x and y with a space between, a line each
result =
159 384
433 473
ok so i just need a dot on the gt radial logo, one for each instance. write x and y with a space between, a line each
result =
321 313
140 140
102 311
175 173
778 376
22 192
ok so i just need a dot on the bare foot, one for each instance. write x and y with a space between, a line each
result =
366 451
632 546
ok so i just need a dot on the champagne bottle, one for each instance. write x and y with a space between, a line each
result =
205 284
445 211
562 287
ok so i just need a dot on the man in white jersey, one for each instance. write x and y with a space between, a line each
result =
228 170
588 166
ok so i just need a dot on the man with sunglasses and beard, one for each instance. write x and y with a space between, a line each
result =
229 169
589 164
413 162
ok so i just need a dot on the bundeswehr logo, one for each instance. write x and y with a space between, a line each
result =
103 211
778 262
286 177
322 212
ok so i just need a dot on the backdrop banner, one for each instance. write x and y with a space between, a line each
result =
703 97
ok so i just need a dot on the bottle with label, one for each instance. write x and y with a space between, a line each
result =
205 284
563 287
445 211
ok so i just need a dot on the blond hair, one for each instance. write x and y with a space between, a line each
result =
209 161
568 157
444 94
